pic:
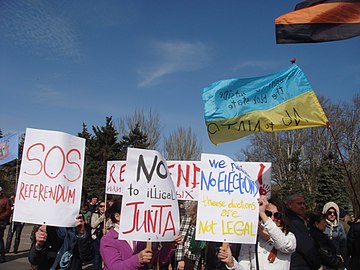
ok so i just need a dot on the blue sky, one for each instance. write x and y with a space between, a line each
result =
66 62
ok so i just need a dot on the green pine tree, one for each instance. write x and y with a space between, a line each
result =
135 139
331 183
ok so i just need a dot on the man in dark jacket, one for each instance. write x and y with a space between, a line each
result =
61 248
306 256
5 212
353 243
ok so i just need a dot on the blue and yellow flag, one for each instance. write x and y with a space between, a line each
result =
9 148
235 108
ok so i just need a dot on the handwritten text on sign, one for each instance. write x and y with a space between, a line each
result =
149 199
227 204
186 177
50 178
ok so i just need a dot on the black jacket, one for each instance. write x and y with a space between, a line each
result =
353 244
45 256
326 249
306 255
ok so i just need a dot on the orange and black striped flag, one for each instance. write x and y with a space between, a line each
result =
319 21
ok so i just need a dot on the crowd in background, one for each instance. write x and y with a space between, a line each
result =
288 237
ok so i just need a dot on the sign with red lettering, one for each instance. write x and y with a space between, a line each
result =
150 210
50 180
186 177
228 210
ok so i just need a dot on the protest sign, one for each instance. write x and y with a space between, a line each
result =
186 177
228 210
149 199
50 180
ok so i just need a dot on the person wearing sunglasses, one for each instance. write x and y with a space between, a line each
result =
274 246
97 232
335 230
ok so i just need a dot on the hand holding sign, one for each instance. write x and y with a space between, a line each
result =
145 255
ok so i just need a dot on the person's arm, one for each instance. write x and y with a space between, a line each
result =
342 241
227 258
37 253
284 243
86 250
114 255
5 215
180 248
96 219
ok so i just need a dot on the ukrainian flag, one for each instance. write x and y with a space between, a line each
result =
235 108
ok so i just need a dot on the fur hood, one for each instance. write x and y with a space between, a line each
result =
333 205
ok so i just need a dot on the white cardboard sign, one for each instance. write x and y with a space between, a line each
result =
50 180
228 209
150 210
186 177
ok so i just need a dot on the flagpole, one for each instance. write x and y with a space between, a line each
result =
343 162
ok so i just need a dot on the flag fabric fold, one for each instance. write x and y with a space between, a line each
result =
235 108
319 21
9 148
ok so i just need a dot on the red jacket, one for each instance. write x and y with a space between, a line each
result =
5 209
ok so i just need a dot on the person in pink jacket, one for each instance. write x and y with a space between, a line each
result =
130 255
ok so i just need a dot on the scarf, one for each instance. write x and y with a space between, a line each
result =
64 255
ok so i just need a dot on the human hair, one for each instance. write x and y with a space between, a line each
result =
115 208
292 197
316 217
192 211
283 221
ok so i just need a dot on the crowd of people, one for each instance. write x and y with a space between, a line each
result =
288 237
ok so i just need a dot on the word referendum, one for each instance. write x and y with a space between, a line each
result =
40 192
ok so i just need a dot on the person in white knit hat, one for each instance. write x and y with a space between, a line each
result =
334 229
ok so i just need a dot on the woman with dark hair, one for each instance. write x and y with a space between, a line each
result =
324 245
274 246
129 255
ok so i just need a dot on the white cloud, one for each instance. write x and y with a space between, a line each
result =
36 26
174 57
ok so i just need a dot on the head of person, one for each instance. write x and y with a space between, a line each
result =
84 206
114 212
318 221
192 211
342 213
296 203
101 207
331 210
94 200
276 211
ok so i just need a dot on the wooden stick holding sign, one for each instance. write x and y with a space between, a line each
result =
43 228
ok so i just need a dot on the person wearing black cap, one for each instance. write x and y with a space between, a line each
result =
342 215
5 212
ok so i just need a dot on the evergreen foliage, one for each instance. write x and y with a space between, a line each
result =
331 185
135 139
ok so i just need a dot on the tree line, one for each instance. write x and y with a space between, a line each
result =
304 160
